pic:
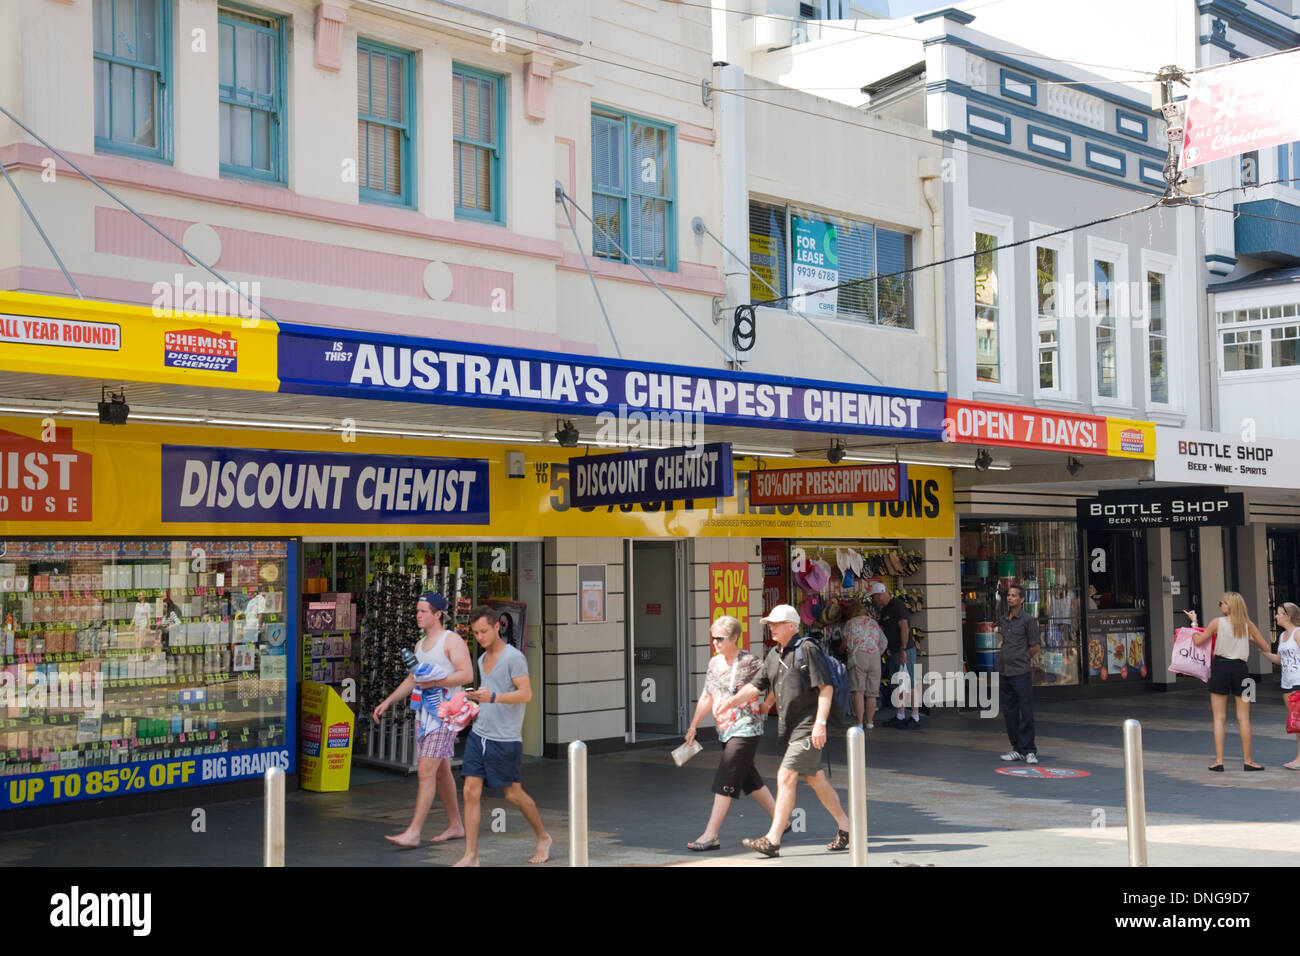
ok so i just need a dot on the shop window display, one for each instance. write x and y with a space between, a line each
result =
1118 645
369 591
144 651
830 578
1043 556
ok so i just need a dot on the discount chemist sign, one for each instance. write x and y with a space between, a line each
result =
41 789
664 475
238 485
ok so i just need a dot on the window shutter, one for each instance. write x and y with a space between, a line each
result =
363 82
457 105
607 154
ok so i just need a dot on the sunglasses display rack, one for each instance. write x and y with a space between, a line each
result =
388 627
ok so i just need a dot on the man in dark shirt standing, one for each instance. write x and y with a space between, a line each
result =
1019 641
797 674
896 624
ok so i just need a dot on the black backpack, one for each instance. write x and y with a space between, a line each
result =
842 714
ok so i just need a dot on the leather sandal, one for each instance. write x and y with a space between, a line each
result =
841 841
762 845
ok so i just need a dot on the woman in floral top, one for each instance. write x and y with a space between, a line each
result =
739 728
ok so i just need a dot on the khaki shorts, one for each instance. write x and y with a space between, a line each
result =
802 757
864 673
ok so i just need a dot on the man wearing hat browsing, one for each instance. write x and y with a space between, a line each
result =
895 623
447 653
796 673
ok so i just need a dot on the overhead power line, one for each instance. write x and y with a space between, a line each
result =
808 293
44 238
129 208
1244 214
929 141
1248 59
694 84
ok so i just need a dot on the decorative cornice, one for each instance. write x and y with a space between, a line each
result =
1250 23
947 13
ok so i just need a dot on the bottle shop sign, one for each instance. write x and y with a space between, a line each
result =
1162 508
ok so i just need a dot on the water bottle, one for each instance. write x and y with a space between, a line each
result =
410 663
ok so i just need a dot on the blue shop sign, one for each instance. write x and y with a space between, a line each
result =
219 485
62 786
635 477
347 364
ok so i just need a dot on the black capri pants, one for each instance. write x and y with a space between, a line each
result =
736 772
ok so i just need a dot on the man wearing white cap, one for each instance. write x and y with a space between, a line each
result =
797 674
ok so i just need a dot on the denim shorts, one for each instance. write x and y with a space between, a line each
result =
911 666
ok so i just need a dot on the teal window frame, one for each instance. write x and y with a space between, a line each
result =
278 149
406 129
1288 164
622 193
162 72
496 150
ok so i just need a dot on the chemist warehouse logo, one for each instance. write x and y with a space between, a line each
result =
1132 439
201 349
44 480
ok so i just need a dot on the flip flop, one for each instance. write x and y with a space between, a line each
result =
1217 768
1291 766
1247 767
702 847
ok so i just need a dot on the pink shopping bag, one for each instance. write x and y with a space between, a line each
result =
1190 658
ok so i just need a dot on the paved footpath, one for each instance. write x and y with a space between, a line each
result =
934 798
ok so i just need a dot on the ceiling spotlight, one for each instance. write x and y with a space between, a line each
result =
566 434
835 454
983 460
113 408
1073 465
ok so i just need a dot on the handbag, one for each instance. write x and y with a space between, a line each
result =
685 752
1188 657
1293 712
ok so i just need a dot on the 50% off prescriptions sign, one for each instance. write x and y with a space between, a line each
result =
729 595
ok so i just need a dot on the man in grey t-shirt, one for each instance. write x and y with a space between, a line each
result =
494 749
1016 685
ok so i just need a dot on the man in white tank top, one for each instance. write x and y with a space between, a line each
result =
436 744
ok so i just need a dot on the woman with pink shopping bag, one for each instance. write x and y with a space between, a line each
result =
1232 633
1288 657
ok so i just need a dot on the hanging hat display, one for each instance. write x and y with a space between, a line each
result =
818 575
806 612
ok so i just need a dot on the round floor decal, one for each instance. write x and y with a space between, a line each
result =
1044 773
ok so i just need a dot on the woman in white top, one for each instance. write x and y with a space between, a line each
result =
1288 657
1228 672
